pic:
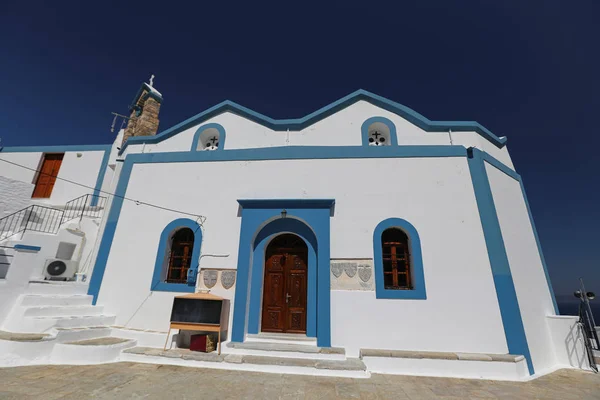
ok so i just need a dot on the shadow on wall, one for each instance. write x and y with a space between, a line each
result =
576 348
4 263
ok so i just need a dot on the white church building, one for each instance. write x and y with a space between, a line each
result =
360 238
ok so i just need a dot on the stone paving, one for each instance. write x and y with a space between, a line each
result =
149 381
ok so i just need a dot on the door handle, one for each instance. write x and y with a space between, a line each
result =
287 298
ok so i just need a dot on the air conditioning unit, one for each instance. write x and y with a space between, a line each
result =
56 269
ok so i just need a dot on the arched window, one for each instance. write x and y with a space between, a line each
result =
396 259
177 257
209 137
379 131
180 257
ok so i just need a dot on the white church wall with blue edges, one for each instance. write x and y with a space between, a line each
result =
531 284
461 311
473 139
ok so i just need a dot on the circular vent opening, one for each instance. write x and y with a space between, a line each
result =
56 268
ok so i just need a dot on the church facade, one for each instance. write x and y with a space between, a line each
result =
363 225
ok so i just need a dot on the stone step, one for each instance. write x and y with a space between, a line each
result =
62 311
287 350
24 337
56 288
445 364
101 341
56 300
349 368
283 338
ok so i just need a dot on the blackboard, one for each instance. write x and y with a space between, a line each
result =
196 311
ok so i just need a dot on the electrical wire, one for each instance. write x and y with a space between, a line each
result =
199 218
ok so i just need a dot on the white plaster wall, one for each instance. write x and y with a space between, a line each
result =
526 266
568 341
49 244
82 170
461 312
340 129
473 139
14 195
17 279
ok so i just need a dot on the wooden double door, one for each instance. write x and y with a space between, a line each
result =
285 285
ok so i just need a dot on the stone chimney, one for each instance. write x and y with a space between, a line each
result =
143 118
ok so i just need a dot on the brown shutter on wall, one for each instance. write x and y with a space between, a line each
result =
47 175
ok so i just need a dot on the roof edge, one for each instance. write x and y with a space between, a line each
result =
322 113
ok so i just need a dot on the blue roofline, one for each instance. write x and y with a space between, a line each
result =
324 112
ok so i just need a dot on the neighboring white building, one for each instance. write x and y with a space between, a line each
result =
363 225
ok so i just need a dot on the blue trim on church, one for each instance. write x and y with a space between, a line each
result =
514 330
204 127
304 122
418 291
370 121
261 221
161 263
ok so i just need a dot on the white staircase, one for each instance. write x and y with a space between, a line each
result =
52 305
63 316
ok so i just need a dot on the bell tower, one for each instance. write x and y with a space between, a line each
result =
143 117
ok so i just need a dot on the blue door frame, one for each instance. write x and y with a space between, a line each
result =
261 221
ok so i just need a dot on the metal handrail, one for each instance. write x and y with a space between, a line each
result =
47 219
89 205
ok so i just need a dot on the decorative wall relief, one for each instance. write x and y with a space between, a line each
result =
354 274
337 269
350 269
210 278
365 272
227 278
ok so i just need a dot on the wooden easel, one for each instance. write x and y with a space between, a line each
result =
223 321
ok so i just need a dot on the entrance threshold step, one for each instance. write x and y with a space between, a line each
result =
281 338
286 347
351 367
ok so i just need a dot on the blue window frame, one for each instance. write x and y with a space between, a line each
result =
417 276
209 137
379 131
161 265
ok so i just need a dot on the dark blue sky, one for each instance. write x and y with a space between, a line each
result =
527 70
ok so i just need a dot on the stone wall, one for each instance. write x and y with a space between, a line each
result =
146 123
14 195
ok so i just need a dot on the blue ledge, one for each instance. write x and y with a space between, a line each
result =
26 247
287 203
